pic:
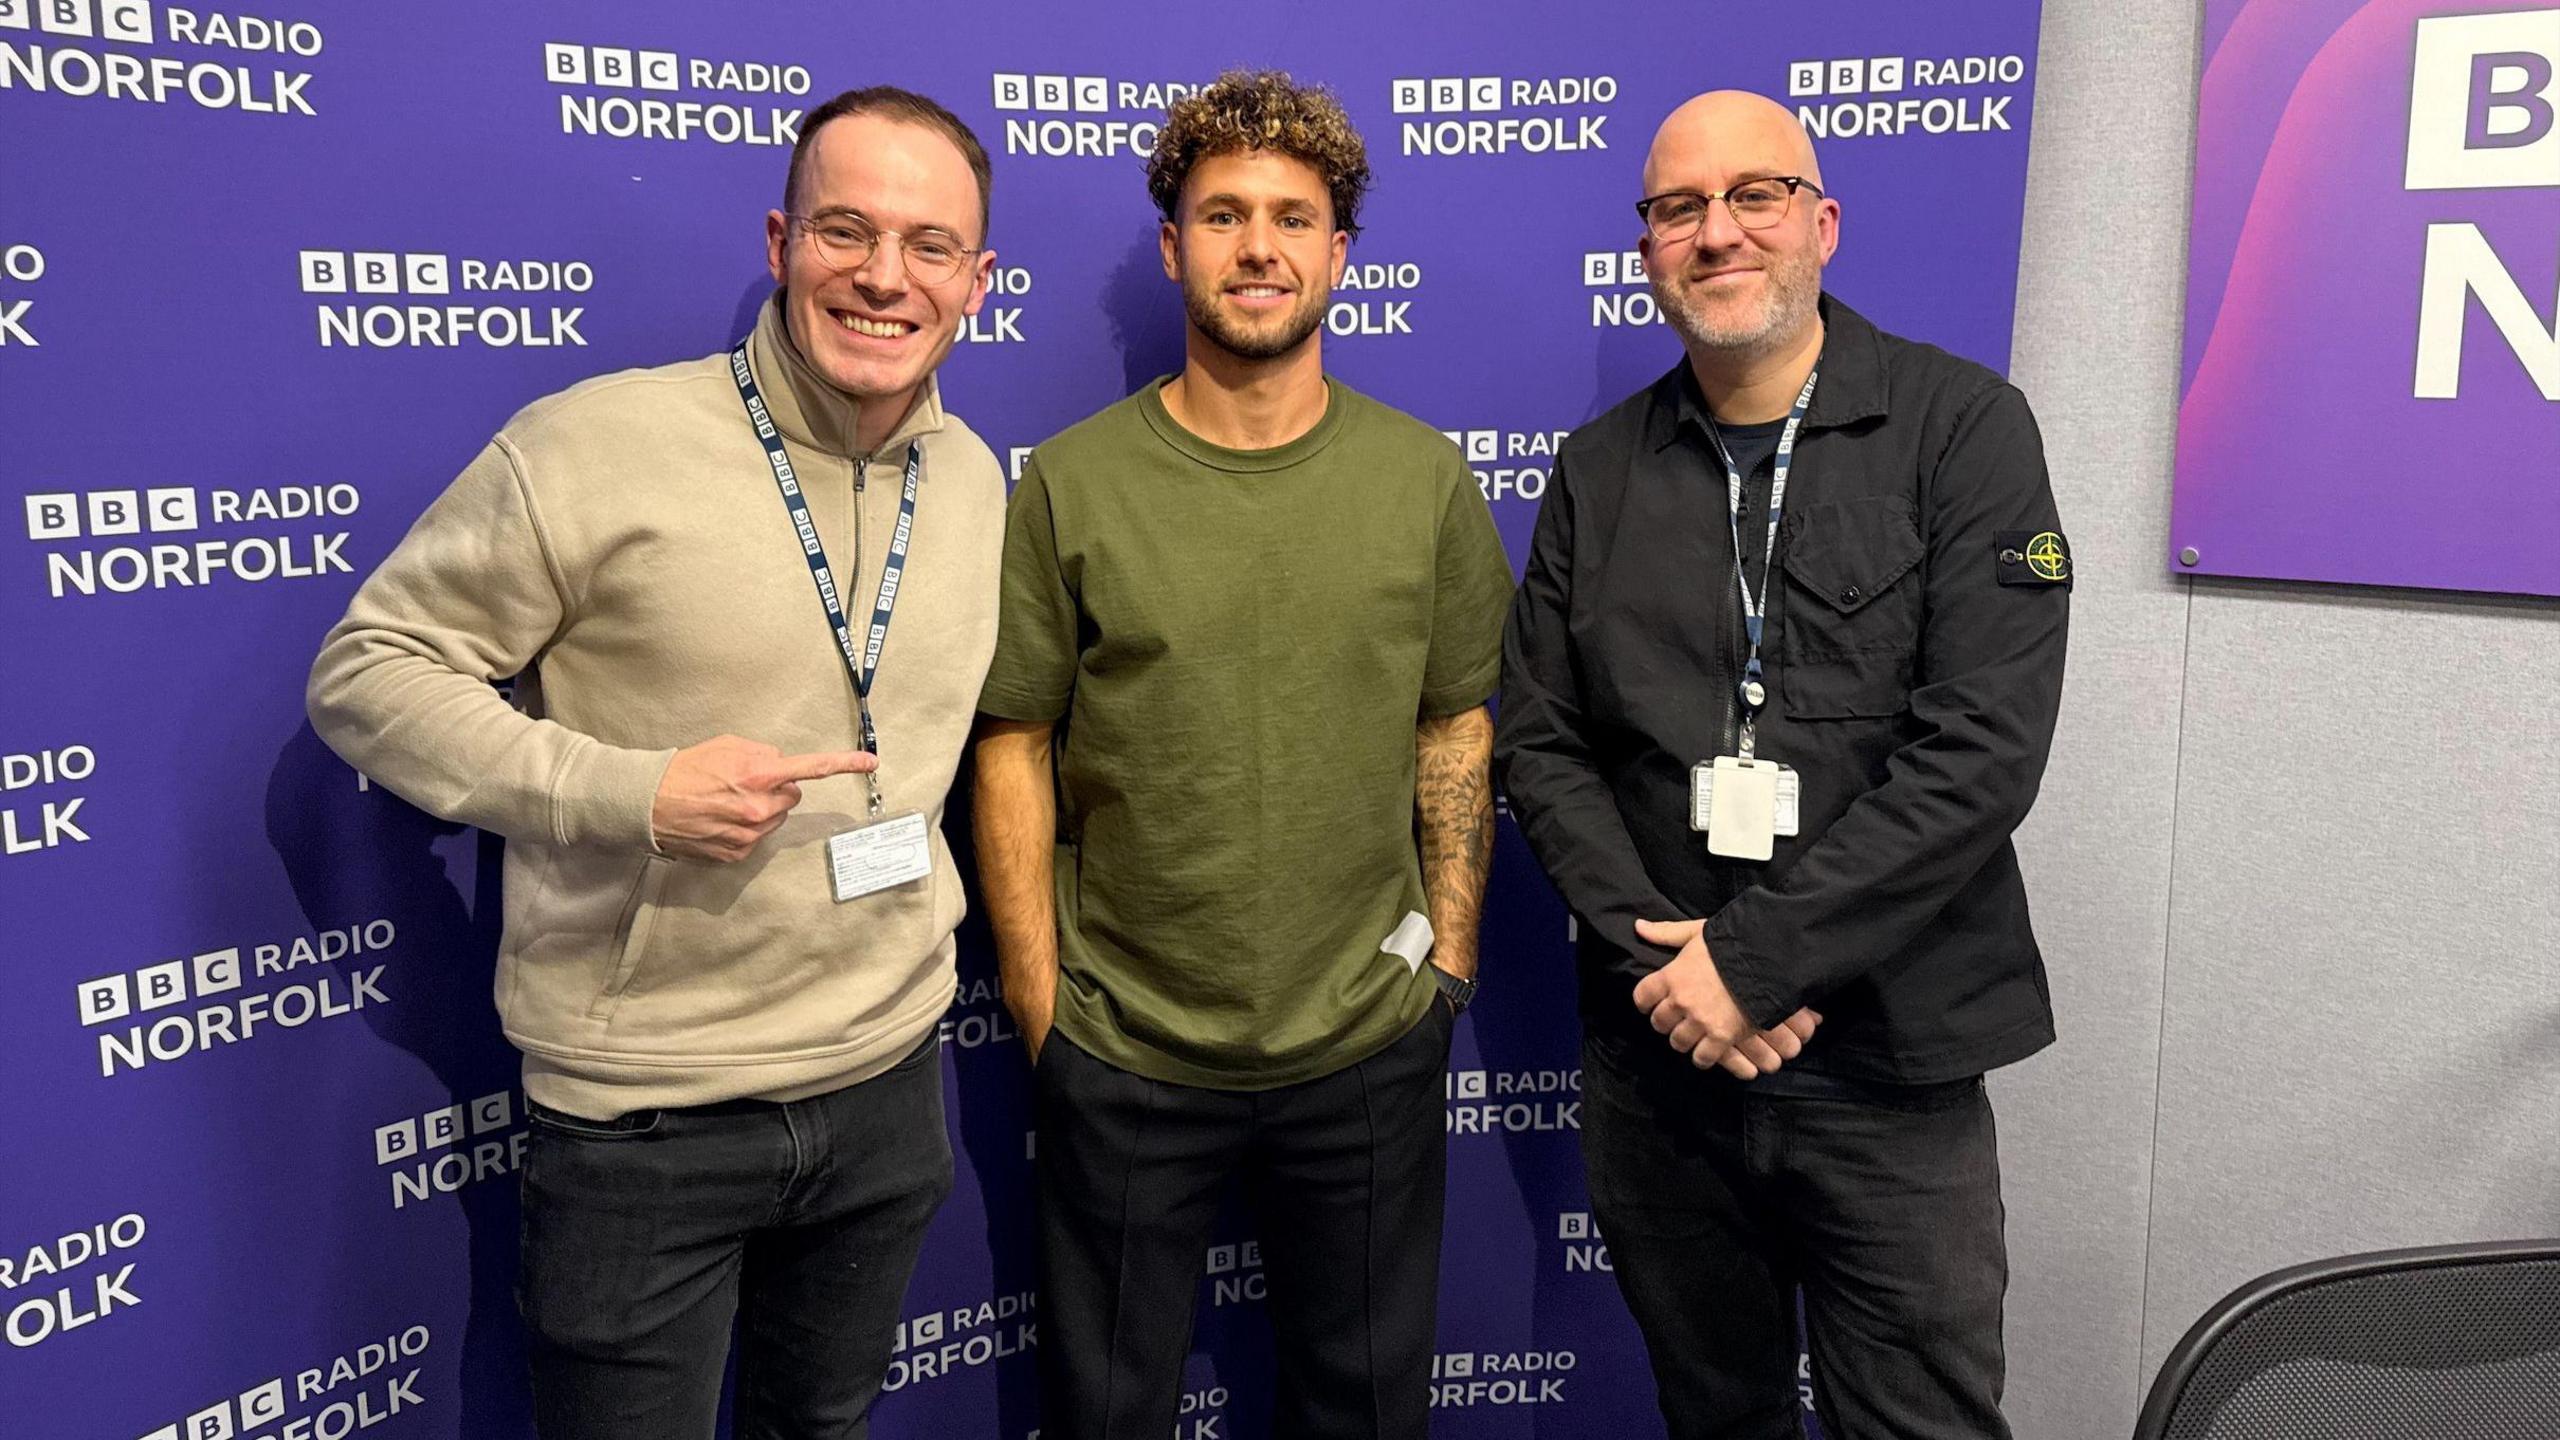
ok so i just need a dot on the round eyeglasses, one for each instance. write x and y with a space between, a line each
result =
845 242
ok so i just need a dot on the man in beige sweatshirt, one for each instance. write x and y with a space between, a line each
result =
729 907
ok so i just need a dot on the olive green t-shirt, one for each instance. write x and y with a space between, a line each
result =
1237 645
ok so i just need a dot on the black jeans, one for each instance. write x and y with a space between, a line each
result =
646 1238
1717 1202
1346 1173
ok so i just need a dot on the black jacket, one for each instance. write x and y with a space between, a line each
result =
1913 671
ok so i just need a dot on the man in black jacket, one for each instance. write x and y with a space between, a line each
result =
1778 686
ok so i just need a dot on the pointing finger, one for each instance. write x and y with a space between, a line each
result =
819 766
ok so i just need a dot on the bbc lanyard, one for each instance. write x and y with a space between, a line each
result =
1755 608
865 667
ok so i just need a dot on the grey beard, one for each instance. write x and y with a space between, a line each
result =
1790 303
1696 333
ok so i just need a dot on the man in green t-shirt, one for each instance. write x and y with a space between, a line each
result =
1251 619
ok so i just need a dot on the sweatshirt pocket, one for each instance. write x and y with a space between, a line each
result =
631 936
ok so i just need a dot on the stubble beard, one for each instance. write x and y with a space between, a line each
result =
1791 297
1200 302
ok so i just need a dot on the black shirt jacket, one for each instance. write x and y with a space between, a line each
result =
1913 691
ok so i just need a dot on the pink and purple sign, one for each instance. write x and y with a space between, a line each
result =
2372 369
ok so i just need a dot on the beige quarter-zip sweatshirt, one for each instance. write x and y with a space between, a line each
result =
623 548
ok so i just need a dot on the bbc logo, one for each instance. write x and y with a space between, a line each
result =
124 21
375 272
1478 444
259 1408
609 68
436 1129
57 516
1880 76
1458 1366
156 987
1573 1225
1080 94
1467 1084
1449 96
1613 267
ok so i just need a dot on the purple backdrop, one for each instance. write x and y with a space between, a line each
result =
257 1125
2372 382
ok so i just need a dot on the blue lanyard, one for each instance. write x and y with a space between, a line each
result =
864 669
1755 608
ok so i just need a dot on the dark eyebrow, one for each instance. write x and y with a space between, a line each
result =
1237 202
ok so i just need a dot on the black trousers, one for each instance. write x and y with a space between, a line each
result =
1347 1173
1717 1202
647 1237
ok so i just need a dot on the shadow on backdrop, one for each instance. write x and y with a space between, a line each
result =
1145 311
352 855
989 1096
1628 359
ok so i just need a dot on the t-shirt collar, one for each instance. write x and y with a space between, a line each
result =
1219 457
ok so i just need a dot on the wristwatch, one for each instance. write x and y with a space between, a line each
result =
1460 992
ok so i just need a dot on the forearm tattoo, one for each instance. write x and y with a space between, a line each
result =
1453 807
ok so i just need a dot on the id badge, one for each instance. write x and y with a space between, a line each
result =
1702 790
1737 801
875 857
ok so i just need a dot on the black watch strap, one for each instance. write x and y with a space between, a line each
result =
1460 992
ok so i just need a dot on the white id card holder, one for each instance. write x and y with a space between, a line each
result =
1742 808
875 857
1702 789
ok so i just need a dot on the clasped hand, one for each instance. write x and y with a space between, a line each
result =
1691 1007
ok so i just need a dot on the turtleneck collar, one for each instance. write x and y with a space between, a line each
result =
813 412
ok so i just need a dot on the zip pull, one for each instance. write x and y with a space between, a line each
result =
861 470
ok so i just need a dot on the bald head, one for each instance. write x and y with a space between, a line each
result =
1725 135
1740 286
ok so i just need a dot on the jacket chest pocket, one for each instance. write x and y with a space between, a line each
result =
1853 602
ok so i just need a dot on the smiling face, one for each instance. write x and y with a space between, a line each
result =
1255 250
874 331
1725 288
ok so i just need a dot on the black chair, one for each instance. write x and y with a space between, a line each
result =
2454 1341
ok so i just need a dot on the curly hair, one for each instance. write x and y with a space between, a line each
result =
1262 110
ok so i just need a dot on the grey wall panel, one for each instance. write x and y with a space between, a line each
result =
2300 926
2097 353
2363 1037
2304 929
